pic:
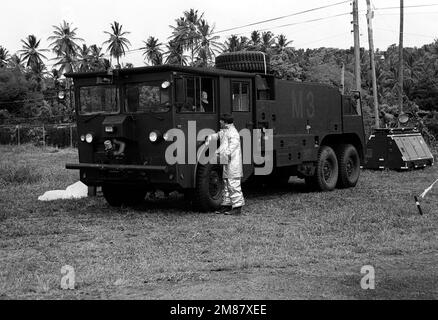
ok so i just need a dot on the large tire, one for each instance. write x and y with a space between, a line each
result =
349 166
118 194
209 187
326 172
245 61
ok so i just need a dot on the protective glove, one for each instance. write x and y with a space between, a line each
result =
208 140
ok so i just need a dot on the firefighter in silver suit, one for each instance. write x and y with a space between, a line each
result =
230 154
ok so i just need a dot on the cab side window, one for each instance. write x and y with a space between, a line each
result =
195 94
349 106
240 95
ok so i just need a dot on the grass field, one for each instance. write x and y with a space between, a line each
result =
290 244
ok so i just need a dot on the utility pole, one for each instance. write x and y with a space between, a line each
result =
343 78
357 74
400 68
370 16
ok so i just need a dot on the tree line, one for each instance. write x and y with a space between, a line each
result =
27 87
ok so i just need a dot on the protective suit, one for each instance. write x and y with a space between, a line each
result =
230 155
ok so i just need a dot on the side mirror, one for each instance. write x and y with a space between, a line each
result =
356 95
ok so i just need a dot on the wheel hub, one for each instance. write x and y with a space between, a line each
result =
214 184
327 170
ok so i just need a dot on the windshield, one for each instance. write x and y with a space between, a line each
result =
146 98
98 99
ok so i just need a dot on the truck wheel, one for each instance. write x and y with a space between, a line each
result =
349 166
326 173
209 186
246 61
117 195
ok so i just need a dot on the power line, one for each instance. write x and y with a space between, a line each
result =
411 34
414 6
307 21
407 13
282 17
326 38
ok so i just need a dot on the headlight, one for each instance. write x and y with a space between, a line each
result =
153 136
89 138
82 138
166 137
61 95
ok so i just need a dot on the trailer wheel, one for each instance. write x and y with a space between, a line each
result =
349 166
209 187
326 173
118 194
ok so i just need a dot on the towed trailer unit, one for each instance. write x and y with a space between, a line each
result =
397 149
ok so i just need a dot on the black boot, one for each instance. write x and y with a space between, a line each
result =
223 209
234 212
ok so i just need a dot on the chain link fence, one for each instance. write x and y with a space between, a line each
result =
57 135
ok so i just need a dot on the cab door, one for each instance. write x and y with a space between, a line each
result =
241 109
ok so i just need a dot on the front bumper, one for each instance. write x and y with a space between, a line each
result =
116 167
93 174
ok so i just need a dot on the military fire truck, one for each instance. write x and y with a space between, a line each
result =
123 117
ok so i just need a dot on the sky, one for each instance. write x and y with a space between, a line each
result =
144 18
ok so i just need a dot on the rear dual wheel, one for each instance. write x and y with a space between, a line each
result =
349 166
326 172
336 169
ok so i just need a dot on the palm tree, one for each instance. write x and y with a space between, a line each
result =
152 51
255 41
66 63
84 59
208 45
117 43
64 40
231 44
38 72
186 31
15 62
64 45
267 41
4 55
97 63
234 44
175 53
282 43
31 53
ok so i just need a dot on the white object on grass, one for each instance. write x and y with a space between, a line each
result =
75 191
428 189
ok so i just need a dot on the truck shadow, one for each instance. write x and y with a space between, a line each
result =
175 203
271 191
